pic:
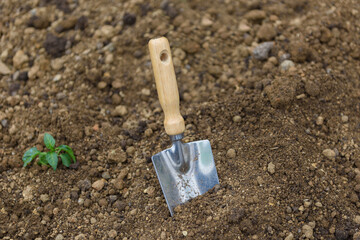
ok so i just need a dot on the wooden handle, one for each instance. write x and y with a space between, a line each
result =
166 85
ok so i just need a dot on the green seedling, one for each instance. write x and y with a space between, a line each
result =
50 158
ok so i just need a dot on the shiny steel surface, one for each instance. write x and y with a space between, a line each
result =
185 170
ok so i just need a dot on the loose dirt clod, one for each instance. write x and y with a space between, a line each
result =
271 168
266 32
55 46
231 153
330 154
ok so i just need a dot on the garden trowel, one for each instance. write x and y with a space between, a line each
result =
185 170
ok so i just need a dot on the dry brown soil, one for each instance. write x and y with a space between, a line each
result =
80 70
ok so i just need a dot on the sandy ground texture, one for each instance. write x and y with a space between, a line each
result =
274 86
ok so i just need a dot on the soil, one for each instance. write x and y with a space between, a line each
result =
283 118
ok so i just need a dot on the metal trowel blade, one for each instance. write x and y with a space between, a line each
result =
180 185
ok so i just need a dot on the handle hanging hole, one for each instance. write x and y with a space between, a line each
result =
164 56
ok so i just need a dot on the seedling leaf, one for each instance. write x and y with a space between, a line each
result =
68 150
52 159
29 155
42 159
49 141
66 159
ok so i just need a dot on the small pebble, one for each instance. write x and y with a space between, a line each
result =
236 118
120 110
38 22
106 31
271 168
129 19
312 224
84 185
44 197
185 233
13 129
307 203
148 132
98 185
87 202
145 91
112 233
81 236
150 191
319 121
55 46
57 78
118 183
59 237
288 209
301 208
103 202
341 234
261 52
357 219
231 153
177 209
266 32
80 201
117 84
286 65
206 22
356 236
260 180
330 154
112 198
255 15
344 118
20 58
244 28
130 150
307 231
106 175
101 85
57 63
133 212
354 197
138 53
109 58
4 123
179 53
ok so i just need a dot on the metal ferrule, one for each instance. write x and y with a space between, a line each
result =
176 137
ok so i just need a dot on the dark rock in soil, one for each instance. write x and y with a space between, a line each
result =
129 19
55 46
341 234
38 22
23 76
81 23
